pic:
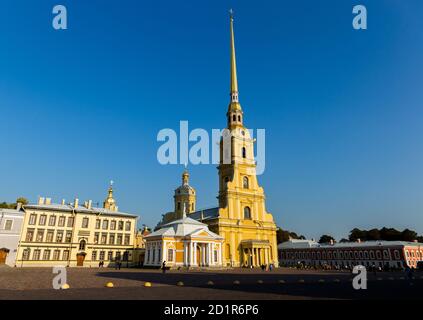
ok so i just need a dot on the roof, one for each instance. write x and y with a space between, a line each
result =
79 209
11 211
205 214
182 227
304 244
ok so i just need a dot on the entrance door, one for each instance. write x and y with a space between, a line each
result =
80 260
3 255
198 256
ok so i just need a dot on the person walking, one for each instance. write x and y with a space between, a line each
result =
164 267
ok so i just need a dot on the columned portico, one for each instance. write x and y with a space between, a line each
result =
255 253
184 243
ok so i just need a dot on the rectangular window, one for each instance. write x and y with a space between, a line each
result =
94 256
36 255
96 237
29 235
97 223
43 219
65 255
102 254
170 255
112 239
70 222
103 238
56 255
128 226
105 224
117 256
59 236
110 256
8 225
215 256
40 236
32 219
120 225
52 221
46 255
113 225
49 237
25 254
61 221
126 241
68 238
119 239
85 223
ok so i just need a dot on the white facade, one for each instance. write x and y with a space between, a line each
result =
184 243
10 230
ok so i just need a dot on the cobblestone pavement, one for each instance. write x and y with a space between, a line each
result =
89 283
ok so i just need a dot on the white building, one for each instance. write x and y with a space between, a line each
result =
183 243
10 230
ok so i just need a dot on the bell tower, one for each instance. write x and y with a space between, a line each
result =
185 197
110 202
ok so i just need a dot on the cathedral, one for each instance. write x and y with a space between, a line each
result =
241 229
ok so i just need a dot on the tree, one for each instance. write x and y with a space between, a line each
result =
343 240
22 200
356 234
326 239
285 235
373 234
409 235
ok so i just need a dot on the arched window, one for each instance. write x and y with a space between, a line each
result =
82 244
234 118
245 182
239 118
244 152
247 213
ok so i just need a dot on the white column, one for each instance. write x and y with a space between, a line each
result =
191 261
157 255
185 254
146 255
163 257
212 254
194 253
219 254
207 254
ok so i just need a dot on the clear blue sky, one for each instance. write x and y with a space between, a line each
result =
342 108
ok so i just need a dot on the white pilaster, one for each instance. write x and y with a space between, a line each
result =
163 257
146 255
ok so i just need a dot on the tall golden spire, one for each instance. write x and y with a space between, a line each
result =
234 103
234 80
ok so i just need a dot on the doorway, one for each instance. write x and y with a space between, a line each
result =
80 257
198 256
3 255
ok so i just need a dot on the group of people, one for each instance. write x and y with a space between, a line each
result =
118 264
267 267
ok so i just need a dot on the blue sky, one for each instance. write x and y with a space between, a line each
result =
342 108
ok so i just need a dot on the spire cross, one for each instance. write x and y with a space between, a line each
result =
231 13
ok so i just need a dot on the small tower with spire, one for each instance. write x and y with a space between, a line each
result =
185 197
110 203
234 114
